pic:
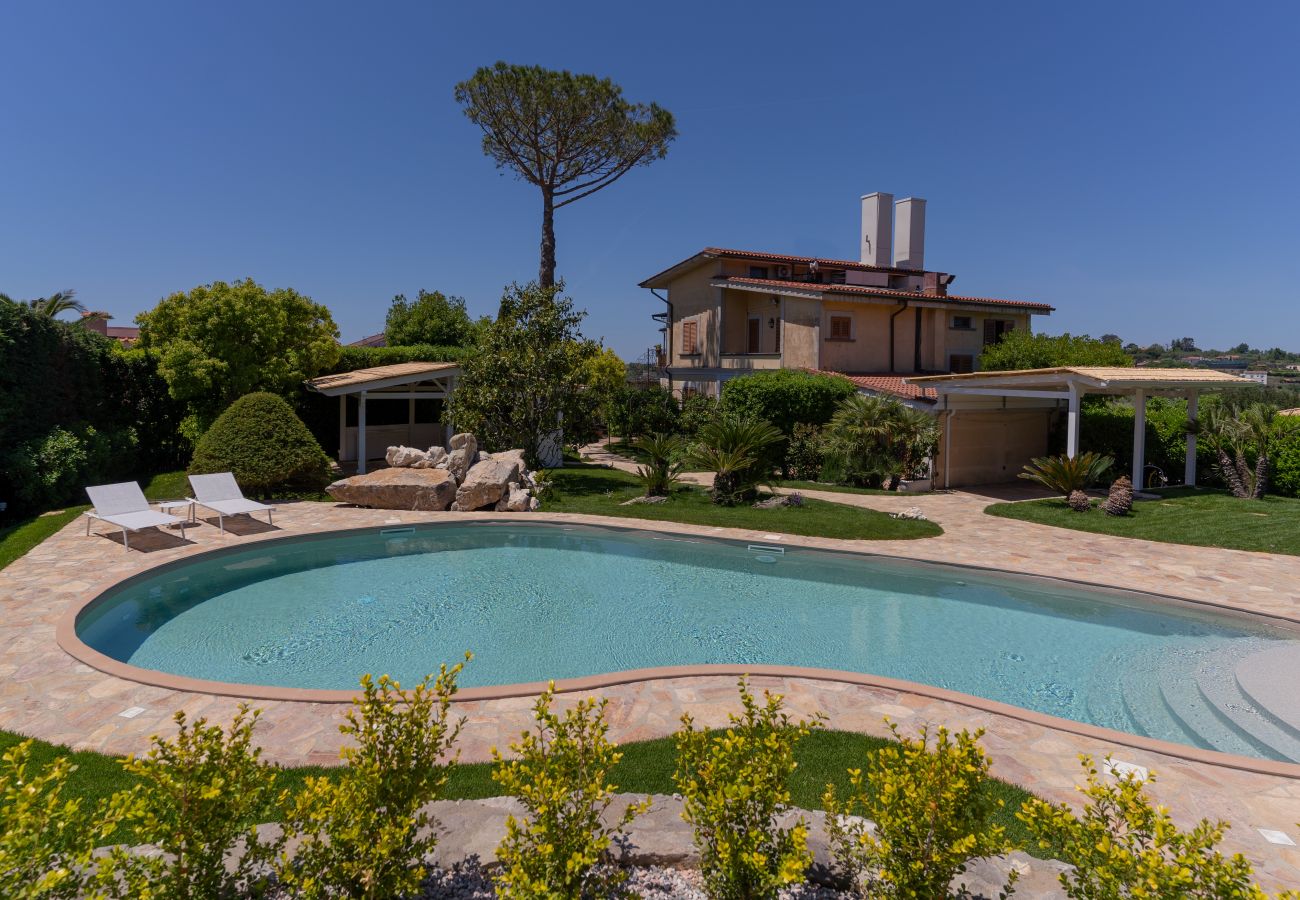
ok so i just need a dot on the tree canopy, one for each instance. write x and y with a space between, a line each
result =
431 318
221 341
570 135
1027 350
526 378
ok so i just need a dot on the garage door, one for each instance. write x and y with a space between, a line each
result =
992 446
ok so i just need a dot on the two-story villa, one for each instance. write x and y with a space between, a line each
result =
884 317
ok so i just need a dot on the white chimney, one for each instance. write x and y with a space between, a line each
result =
877 237
909 243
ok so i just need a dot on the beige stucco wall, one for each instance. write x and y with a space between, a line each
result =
737 308
801 335
990 446
971 342
692 297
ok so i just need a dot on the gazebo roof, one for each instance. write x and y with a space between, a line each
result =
381 377
1100 379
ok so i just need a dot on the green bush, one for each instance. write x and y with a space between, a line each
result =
1107 428
877 440
733 786
267 447
1035 350
697 410
1286 463
52 470
46 841
561 776
365 834
786 397
635 412
353 358
198 794
1123 846
805 454
932 812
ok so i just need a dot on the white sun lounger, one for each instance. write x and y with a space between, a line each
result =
221 494
124 505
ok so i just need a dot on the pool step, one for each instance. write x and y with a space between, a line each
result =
1220 690
1181 689
1146 706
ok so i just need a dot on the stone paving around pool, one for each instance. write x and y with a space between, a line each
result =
48 694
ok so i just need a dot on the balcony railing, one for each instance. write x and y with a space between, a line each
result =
751 360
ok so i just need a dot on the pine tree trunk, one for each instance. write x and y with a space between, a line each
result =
546 274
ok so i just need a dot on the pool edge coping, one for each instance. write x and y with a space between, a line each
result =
68 641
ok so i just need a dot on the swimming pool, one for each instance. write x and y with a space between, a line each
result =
542 601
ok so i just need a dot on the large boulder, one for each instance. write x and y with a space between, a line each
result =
402 457
486 482
421 489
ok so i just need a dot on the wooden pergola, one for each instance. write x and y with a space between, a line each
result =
404 381
1068 384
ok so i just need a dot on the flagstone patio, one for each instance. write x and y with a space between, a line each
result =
48 694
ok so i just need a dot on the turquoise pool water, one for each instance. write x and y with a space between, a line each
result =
539 601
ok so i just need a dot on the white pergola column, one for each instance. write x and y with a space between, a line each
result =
343 425
361 433
1189 467
1072 423
1139 438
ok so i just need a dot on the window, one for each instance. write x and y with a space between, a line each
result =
758 271
690 337
755 332
841 328
961 363
962 323
994 329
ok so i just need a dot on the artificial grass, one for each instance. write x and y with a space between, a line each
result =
824 757
595 490
1203 518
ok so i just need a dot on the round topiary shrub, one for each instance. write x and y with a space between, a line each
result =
268 448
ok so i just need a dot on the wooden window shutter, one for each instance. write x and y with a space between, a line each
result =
990 331
690 337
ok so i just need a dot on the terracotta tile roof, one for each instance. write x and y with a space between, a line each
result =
868 291
886 384
371 340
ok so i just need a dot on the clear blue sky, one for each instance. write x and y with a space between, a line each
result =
1133 164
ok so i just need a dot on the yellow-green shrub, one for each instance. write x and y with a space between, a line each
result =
46 841
199 793
364 834
931 808
733 785
560 773
1122 846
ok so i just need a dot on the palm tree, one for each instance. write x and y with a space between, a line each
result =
737 452
52 306
1232 434
875 439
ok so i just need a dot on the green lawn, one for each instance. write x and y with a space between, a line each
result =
1205 518
833 488
646 768
595 490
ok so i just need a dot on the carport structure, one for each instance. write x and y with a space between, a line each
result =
1064 388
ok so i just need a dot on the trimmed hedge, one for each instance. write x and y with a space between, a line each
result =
265 445
786 397
76 409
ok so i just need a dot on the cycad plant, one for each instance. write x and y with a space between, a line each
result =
1233 435
738 452
874 440
1065 474
662 465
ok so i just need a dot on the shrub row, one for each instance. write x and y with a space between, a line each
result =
75 408
367 832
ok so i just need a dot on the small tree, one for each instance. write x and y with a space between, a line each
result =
221 341
1029 350
739 453
431 318
570 135
525 381
662 465
875 439
606 380
560 774
733 786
